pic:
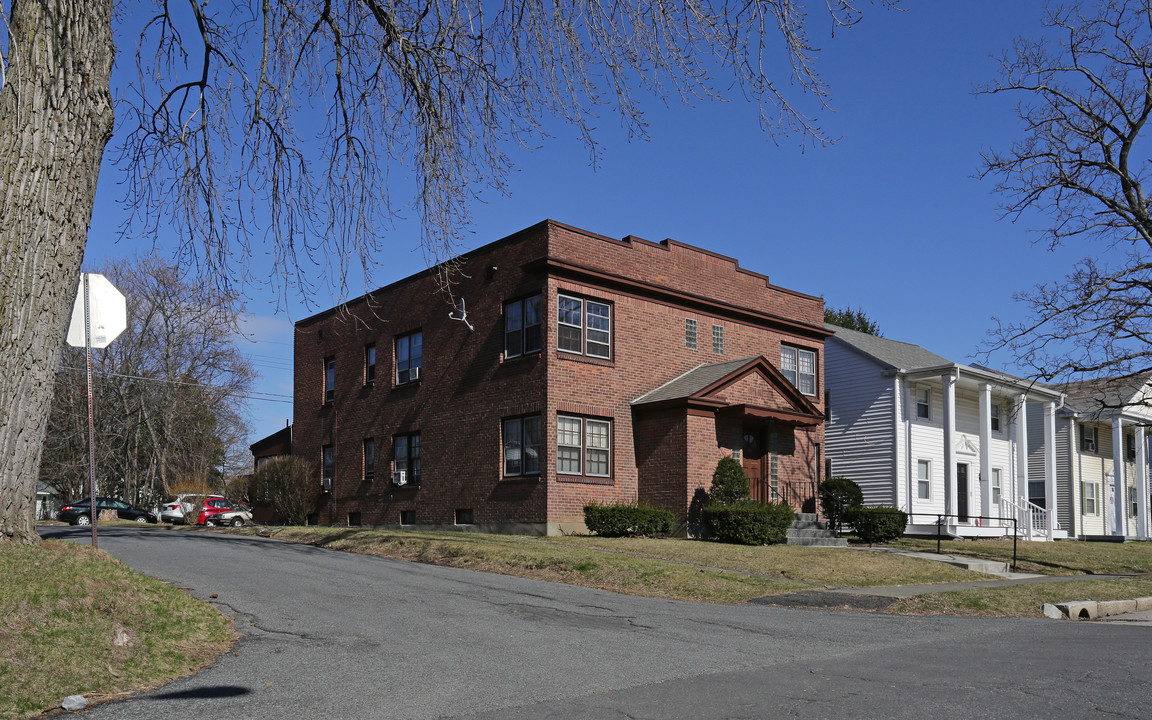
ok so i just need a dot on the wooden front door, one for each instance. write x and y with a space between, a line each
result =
962 492
755 462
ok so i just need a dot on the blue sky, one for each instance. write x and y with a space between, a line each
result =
890 218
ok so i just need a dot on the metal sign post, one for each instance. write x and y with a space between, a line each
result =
100 304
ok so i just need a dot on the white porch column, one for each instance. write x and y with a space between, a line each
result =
1119 482
985 483
1020 492
1050 465
948 380
1141 483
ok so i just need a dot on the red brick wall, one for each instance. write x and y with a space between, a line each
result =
466 389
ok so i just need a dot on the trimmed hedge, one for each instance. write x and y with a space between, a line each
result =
729 482
626 520
748 522
877 524
837 496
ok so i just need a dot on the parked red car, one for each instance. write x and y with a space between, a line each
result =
222 511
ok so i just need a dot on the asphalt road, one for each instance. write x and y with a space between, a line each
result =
334 635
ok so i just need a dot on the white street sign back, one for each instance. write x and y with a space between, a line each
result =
106 308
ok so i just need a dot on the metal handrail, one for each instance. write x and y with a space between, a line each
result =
940 526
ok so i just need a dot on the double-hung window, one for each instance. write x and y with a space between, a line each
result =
1088 438
329 379
924 403
584 326
522 333
369 363
1130 447
583 446
406 456
996 487
409 357
328 466
369 458
799 366
1088 493
995 411
924 479
522 441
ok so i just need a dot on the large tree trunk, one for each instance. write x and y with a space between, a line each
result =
55 119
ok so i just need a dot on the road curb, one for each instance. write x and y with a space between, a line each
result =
1094 609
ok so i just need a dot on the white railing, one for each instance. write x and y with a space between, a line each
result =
1031 519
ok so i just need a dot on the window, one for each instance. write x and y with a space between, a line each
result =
407 517
690 333
995 418
406 456
996 486
329 379
409 357
463 517
799 366
354 519
328 462
522 327
924 479
1088 493
1088 438
1130 447
718 339
584 327
1132 509
583 446
369 363
924 403
522 441
369 458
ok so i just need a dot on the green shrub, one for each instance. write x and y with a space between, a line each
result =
837 496
627 520
748 522
729 482
877 524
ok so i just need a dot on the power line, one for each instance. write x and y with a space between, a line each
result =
246 394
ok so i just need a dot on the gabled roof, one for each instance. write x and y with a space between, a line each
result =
1093 396
896 355
703 388
693 381
909 359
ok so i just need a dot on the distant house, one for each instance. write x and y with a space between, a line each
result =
1102 458
946 442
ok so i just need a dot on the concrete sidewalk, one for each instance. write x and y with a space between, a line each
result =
878 598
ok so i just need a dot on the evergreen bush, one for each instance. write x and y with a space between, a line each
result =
837 496
877 524
748 522
729 482
629 520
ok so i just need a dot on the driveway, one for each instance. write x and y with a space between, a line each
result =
334 635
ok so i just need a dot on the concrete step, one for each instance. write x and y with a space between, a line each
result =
809 524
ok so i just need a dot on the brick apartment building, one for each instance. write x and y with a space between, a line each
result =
594 369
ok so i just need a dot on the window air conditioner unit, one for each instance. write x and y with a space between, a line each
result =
400 477
326 483
414 373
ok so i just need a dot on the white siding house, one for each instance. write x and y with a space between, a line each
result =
1102 458
945 442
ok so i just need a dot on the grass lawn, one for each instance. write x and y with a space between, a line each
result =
1063 557
80 622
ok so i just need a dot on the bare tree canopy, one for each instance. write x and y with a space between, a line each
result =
290 128
1085 94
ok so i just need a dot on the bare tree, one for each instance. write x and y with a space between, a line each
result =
294 123
288 485
169 393
1085 97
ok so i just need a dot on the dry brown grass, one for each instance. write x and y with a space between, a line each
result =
1048 558
63 608
1019 600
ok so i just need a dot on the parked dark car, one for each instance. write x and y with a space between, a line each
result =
80 512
